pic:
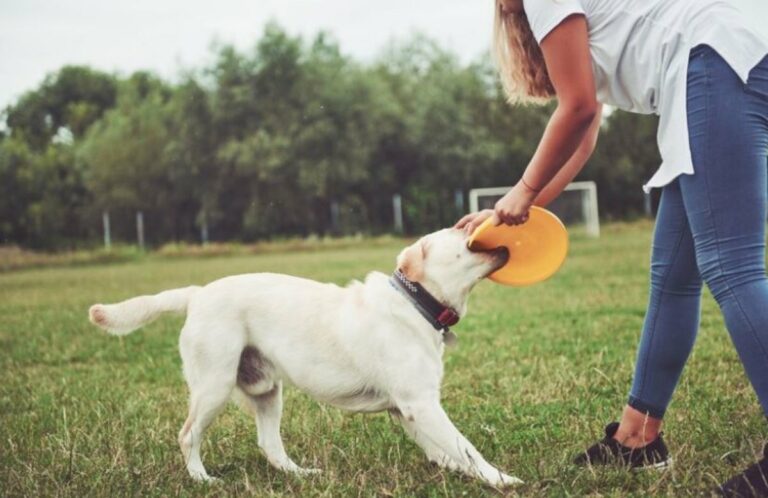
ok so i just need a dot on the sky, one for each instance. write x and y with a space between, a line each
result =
37 37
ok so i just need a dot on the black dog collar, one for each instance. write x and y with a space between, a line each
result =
440 316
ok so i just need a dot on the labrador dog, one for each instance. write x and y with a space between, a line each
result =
367 347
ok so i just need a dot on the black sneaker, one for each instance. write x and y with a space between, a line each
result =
753 482
608 451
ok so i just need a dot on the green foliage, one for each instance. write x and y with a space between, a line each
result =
625 158
291 138
73 98
42 195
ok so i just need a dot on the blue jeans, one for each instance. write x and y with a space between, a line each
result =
711 229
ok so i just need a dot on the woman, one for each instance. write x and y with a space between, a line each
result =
696 65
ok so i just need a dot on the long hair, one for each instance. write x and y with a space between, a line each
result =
518 58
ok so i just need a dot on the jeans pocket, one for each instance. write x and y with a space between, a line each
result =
757 84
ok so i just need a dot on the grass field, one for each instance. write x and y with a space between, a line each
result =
536 375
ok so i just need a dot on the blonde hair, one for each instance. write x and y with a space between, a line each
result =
518 58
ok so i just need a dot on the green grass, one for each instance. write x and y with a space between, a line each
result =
536 374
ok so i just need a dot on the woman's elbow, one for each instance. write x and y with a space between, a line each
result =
581 111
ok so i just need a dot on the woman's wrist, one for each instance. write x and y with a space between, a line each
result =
529 186
527 190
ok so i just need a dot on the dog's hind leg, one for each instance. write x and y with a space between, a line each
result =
206 401
267 409
211 373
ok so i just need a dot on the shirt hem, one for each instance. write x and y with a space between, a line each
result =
663 182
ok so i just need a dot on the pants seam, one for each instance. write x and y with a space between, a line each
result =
656 301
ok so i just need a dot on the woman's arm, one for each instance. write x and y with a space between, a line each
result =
556 186
566 54
574 165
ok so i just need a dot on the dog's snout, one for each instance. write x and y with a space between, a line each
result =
495 258
502 253
500 257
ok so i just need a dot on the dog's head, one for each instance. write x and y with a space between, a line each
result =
442 263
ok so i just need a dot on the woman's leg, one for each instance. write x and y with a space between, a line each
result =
724 206
725 203
671 322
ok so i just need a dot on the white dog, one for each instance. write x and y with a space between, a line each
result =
368 347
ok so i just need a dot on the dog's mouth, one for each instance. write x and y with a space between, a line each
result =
498 256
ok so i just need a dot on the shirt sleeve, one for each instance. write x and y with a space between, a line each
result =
546 15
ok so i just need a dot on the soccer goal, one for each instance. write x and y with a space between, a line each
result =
576 206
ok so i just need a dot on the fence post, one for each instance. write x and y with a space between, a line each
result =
335 212
107 232
458 201
594 214
140 229
204 229
648 205
397 206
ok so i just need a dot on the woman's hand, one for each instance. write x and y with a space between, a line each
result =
473 220
513 208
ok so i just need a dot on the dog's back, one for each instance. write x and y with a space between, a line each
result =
225 294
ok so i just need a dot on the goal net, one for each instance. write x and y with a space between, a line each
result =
576 206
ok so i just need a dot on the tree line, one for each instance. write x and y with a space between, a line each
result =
289 138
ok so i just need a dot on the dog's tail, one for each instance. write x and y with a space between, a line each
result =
127 316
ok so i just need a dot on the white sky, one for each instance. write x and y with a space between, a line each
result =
39 36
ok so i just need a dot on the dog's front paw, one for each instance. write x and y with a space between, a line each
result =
203 476
506 481
445 462
307 472
295 469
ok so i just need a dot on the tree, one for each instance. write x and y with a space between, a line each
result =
42 196
291 137
125 156
70 100
626 157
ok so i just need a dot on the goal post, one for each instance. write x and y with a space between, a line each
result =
577 205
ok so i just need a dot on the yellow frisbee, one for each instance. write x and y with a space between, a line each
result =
537 248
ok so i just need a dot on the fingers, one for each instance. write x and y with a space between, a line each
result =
466 219
478 219
510 210
496 220
471 227
470 222
511 219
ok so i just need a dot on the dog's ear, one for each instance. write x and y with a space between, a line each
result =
411 261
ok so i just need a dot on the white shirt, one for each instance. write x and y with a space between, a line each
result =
640 51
